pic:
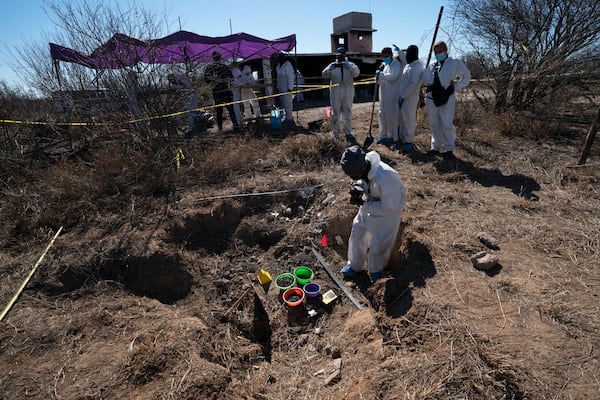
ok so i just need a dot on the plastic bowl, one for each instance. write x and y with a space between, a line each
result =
285 281
293 297
303 275
312 290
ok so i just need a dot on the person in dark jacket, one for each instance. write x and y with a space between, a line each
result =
219 77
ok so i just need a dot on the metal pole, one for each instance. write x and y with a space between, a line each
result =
336 279
437 25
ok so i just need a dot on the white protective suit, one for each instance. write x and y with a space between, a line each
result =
185 89
377 222
410 84
251 106
132 92
285 84
299 81
450 71
341 93
236 90
389 90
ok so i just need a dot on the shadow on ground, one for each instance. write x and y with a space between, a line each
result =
521 185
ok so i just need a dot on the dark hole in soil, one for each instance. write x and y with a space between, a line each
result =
73 278
159 276
211 229
262 236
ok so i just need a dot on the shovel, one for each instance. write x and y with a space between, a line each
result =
369 139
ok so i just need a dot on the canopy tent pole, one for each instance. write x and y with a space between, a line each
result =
98 76
57 73
296 79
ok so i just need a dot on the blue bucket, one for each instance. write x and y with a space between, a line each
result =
277 116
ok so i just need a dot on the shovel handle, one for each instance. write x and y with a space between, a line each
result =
373 109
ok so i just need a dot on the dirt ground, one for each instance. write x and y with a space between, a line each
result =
141 303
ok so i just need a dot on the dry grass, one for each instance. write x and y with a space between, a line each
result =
437 329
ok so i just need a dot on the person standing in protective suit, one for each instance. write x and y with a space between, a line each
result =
285 84
389 90
299 81
443 78
341 74
236 91
251 106
381 195
219 77
185 90
408 101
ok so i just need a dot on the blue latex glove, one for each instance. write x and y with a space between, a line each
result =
396 49
351 138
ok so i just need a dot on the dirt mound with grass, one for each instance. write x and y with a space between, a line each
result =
151 290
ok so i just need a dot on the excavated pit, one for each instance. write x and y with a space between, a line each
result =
209 228
161 277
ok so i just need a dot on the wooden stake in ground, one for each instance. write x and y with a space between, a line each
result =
237 302
589 139
16 296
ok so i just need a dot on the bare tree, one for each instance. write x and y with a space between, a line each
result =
83 25
531 48
127 94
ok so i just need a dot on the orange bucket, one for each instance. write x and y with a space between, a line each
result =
293 297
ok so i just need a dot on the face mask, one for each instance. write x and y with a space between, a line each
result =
387 61
440 57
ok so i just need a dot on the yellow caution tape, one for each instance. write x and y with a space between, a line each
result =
178 157
178 113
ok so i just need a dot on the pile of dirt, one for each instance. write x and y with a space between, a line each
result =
159 299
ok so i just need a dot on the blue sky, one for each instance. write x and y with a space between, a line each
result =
397 22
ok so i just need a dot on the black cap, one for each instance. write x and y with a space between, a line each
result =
353 161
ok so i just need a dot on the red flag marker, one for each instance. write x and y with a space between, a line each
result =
324 240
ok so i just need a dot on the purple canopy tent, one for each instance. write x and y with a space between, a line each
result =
180 47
